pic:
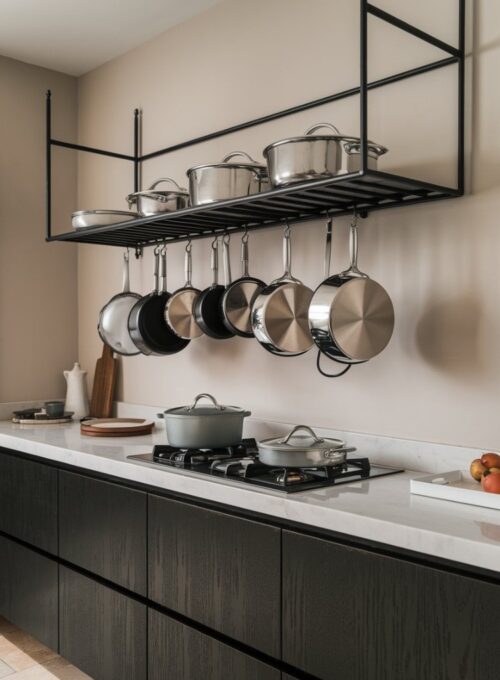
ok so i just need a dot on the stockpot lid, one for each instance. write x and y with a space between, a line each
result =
153 192
215 409
295 442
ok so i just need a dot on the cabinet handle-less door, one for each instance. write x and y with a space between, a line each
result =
349 614
216 569
28 591
178 652
102 528
28 501
101 631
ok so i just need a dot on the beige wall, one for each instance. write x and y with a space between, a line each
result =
38 299
439 378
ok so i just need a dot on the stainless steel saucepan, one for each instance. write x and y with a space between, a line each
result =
221 181
302 451
154 201
179 310
351 316
280 312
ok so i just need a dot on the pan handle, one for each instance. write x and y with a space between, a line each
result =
226 239
188 265
204 395
353 270
318 126
305 428
126 273
163 270
330 375
156 270
215 262
328 248
287 259
244 255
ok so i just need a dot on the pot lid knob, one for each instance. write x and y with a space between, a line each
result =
305 428
205 396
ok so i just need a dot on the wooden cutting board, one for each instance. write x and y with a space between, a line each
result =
116 427
103 391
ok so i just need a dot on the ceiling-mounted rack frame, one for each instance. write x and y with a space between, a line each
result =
363 191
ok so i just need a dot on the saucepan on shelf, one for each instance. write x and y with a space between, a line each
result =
213 182
317 156
155 201
83 219
204 427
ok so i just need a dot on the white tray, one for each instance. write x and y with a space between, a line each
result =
455 486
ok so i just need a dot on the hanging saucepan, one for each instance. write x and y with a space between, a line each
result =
279 315
299 451
240 295
351 316
179 310
113 318
208 306
221 181
155 201
146 322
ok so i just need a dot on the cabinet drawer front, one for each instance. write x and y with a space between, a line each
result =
28 501
180 652
219 570
101 631
102 528
28 591
349 614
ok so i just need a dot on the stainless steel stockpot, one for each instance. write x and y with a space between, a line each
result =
225 180
204 427
154 201
308 157
299 451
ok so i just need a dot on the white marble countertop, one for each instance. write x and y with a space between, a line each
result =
379 510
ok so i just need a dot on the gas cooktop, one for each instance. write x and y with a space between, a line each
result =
241 463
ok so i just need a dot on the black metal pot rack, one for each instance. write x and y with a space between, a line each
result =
363 191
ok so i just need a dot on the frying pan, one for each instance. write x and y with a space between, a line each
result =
179 310
240 295
279 315
146 322
112 326
208 307
351 316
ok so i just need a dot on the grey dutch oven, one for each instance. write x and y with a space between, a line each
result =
204 427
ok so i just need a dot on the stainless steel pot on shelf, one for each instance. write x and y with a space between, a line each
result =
204 427
154 201
213 182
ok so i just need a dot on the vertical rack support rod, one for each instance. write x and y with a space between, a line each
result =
136 150
461 97
48 165
363 85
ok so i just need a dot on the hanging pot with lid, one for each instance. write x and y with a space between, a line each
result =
302 451
154 201
204 427
351 316
213 182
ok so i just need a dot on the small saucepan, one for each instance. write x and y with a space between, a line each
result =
154 201
302 451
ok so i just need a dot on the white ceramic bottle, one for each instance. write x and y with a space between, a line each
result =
76 394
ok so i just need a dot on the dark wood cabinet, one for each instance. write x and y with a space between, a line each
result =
179 652
103 529
101 631
29 591
349 614
28 501
216 569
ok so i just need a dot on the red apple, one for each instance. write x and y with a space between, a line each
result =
490 460
491 482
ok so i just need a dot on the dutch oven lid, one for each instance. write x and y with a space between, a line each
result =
153 192
294 442
249 163
215 409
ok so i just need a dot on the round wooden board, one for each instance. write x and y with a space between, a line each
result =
116 427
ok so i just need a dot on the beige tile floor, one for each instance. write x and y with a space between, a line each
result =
24 658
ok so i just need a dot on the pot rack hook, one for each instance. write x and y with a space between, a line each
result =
226 239
126 254
245 236
287 228
138 252
215 242
189 245
330 375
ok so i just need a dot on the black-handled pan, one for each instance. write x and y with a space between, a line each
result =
208 307
240 295
146 321
351 317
